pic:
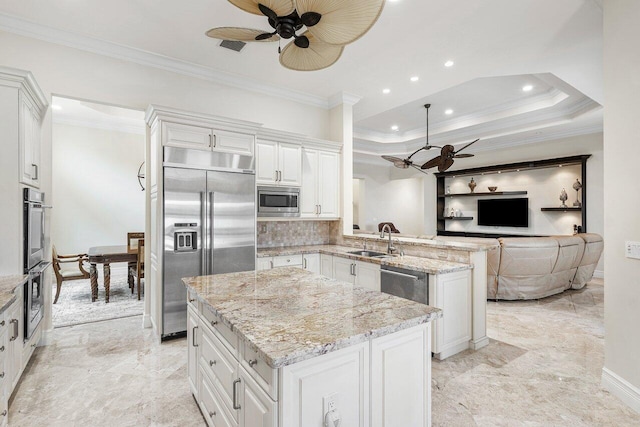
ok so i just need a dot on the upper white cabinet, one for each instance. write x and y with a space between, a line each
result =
204 138
29 142
278 163
320 190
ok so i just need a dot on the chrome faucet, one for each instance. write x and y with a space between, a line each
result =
390 247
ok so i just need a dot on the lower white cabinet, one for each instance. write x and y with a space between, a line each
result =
384 381
267 263
451 292
363 274
326 265
311 262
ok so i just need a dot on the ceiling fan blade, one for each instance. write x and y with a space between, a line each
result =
302 42
472 142
317 56
264 36
342 22
310 19
398 162
460 156
432 163
240 34
279 7
447 151
268 12
445 165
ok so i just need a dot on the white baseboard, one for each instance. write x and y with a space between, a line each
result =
46 338
478 344
622 389
146 321
598 274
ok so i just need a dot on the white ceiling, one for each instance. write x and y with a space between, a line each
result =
517 41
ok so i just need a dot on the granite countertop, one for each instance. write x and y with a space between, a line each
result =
436 242
7 285
426 265
288 315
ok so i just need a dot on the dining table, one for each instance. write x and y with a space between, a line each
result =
107 255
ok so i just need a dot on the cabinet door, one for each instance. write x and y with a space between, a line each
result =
451 293
343 269
264 264
212 406
328 184
311 262
193 349
401 378
186 136
35 148
258 410
232 142
266 162
28 167
309 206
290 164
14 354
368 276
326 265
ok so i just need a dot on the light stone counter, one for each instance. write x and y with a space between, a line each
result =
7 285
288 315
426 265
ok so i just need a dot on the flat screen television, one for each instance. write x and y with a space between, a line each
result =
504 212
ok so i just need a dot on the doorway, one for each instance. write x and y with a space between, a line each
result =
97 153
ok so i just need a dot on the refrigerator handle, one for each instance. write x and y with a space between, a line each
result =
210 231
203 227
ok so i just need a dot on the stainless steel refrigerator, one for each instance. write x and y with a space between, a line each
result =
209 227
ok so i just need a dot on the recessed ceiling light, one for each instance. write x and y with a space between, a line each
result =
499 171
415 78
448 112
448 63
394 127
527 88
386 91
56 107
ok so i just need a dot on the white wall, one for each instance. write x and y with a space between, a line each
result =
391 198
96 195
621 373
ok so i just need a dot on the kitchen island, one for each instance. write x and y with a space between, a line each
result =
286 347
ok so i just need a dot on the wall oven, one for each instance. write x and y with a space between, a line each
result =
278 201
34 264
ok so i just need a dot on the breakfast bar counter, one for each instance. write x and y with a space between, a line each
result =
287 347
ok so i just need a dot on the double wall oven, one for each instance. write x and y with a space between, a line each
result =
34 263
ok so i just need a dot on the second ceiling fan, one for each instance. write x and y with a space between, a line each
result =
330 25
443 161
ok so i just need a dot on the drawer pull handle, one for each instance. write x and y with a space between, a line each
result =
191 300
214 322
235 394
2 323
4 413
193 336
2 374
212 414
212 362
253 362
2 348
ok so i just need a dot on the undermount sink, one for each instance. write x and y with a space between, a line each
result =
370 254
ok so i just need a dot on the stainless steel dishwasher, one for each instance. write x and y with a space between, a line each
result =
405 283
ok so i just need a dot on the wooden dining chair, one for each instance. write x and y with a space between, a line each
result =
137 270
132 243
65 274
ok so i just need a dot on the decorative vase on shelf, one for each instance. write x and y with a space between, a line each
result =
577 186
452 213
563 198
472 185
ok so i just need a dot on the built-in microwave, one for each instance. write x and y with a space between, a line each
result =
278 201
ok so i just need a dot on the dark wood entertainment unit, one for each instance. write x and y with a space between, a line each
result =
441 196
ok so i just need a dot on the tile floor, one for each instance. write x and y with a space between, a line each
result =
542 368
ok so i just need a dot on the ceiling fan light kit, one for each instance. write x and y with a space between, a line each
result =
330 25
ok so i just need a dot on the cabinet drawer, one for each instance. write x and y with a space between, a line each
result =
220 366
232 142
287 260
263 374
222 331
212 407
192 301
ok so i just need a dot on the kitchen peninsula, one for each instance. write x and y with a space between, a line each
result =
286 347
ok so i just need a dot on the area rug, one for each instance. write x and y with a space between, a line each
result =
74 305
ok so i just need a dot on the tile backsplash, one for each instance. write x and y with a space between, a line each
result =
295 233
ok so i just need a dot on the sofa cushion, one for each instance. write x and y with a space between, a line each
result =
593 248
570 250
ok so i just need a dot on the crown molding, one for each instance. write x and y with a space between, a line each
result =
159 112
22 27
345 98
123 126
24 80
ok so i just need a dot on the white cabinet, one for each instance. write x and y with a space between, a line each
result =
264 264
205 138
311 262
452 293
14 320
278 163
29 143
319 195
193 350
258 410
401 378
326 265
267 263
362 274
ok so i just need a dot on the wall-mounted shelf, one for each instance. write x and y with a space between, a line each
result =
567 209
456 218
490 193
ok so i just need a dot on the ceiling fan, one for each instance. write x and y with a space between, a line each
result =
443 161
330 25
